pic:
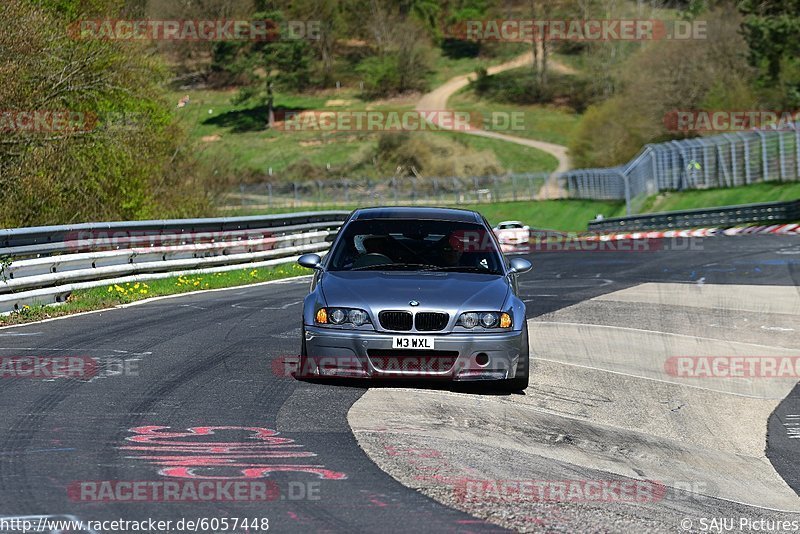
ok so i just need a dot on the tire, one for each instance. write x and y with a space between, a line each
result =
520 380
303 365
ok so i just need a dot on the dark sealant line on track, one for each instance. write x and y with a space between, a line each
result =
783 439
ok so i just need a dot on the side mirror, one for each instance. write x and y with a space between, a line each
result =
310 261
519 266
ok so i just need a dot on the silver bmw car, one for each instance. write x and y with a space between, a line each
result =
418 293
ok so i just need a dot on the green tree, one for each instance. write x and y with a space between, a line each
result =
663 77
129 163
772 29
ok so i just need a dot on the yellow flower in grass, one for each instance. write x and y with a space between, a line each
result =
143 291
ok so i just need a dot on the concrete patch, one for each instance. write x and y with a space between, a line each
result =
603 405
753 298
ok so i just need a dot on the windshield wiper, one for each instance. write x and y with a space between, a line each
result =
396 266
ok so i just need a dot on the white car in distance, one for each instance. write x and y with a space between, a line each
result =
512 233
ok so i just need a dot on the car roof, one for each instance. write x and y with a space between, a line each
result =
402 212
510 222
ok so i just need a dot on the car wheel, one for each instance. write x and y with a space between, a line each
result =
520 380
303 364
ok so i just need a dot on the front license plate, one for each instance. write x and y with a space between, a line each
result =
412 342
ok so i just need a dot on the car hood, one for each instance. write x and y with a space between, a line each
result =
451 292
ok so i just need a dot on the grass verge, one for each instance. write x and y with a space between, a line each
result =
563 215
748 194
573 215
109 296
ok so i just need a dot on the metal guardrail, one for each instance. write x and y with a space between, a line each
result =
18 237
768 212
45 264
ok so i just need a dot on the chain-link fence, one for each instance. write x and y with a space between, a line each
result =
390 191
726 160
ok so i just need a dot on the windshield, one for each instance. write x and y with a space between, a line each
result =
416 245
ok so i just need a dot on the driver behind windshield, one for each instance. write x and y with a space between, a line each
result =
400 244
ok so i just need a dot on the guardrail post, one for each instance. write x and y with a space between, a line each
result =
733 162
722 165
748 177
797 146
627 182
513 187
294 203
764 162
781 156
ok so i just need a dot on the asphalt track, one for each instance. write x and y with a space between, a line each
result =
208 360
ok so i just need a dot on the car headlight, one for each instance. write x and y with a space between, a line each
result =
342 316
485 320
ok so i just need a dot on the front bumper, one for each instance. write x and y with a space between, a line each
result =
366 354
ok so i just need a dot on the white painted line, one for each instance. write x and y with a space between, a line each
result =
21 334
630 375
631 329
